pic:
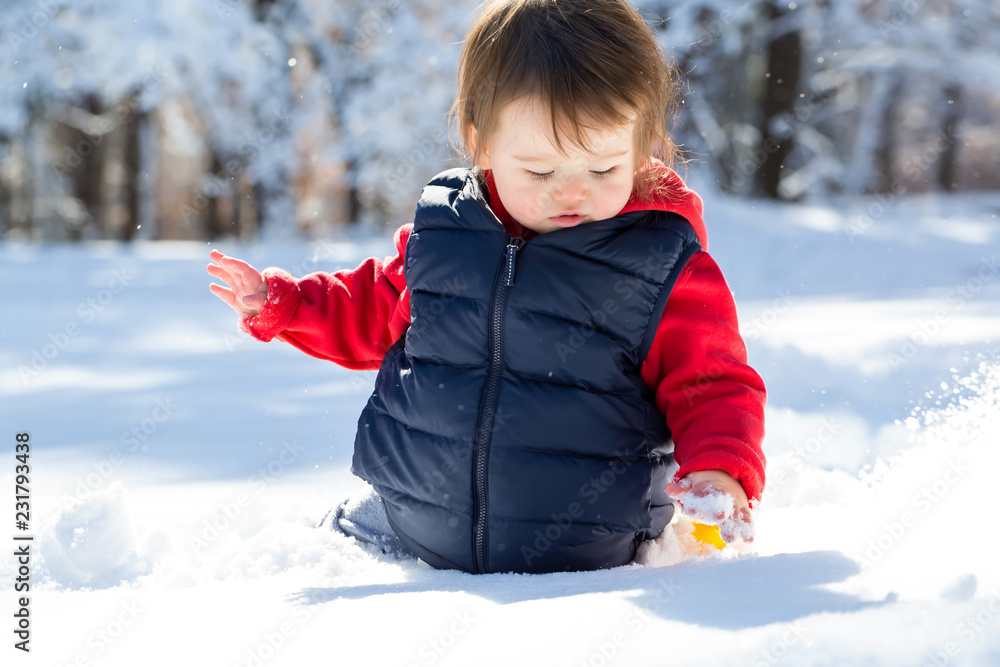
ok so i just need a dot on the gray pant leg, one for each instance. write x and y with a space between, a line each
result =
362 516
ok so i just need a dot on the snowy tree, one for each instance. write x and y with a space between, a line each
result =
278 117
87 76
888 93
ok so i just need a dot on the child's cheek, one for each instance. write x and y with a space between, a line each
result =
529 201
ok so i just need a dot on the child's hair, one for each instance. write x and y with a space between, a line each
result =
586 60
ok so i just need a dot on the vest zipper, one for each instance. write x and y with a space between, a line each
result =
488 408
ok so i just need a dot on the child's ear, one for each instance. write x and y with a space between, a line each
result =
484 159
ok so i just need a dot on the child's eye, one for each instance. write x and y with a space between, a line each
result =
599 174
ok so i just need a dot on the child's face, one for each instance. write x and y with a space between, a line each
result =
539 186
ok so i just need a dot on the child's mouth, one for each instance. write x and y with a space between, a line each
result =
570 220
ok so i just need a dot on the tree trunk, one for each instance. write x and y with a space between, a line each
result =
947 170
885 153
133 170
89 175
146 175
4 195
261 8
784 66
354 204
234 193
213 225
868 125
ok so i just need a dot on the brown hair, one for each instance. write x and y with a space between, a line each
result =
590 62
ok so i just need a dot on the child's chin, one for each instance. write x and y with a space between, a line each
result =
539 227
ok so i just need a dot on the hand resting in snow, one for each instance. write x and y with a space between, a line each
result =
715 497
249 289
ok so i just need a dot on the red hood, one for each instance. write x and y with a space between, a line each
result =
678 199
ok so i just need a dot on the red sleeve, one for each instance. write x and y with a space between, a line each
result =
697 369
350 317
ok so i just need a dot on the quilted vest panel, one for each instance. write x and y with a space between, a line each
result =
509 428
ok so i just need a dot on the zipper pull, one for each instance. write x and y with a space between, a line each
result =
512 248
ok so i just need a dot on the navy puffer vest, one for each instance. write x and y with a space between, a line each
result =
509 428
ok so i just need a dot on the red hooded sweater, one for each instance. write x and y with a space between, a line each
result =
712 400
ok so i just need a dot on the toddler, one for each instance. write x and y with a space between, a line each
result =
553 339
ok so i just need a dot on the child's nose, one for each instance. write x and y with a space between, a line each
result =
569 189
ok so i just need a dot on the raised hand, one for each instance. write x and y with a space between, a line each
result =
249 290
715 497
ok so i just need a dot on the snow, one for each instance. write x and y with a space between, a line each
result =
178 468
716 505
712 507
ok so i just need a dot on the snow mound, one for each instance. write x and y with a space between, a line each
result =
93 543
115 538
919 520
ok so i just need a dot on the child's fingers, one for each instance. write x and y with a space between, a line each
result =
218 260
738 526
674 489
727 532
746 524
236 267
237 283
705 489
730 530
223 293
217 271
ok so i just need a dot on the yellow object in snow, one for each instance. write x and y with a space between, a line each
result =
708 534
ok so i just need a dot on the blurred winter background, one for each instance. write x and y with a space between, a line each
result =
848 152
267 119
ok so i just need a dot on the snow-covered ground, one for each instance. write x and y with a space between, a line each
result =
177 469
